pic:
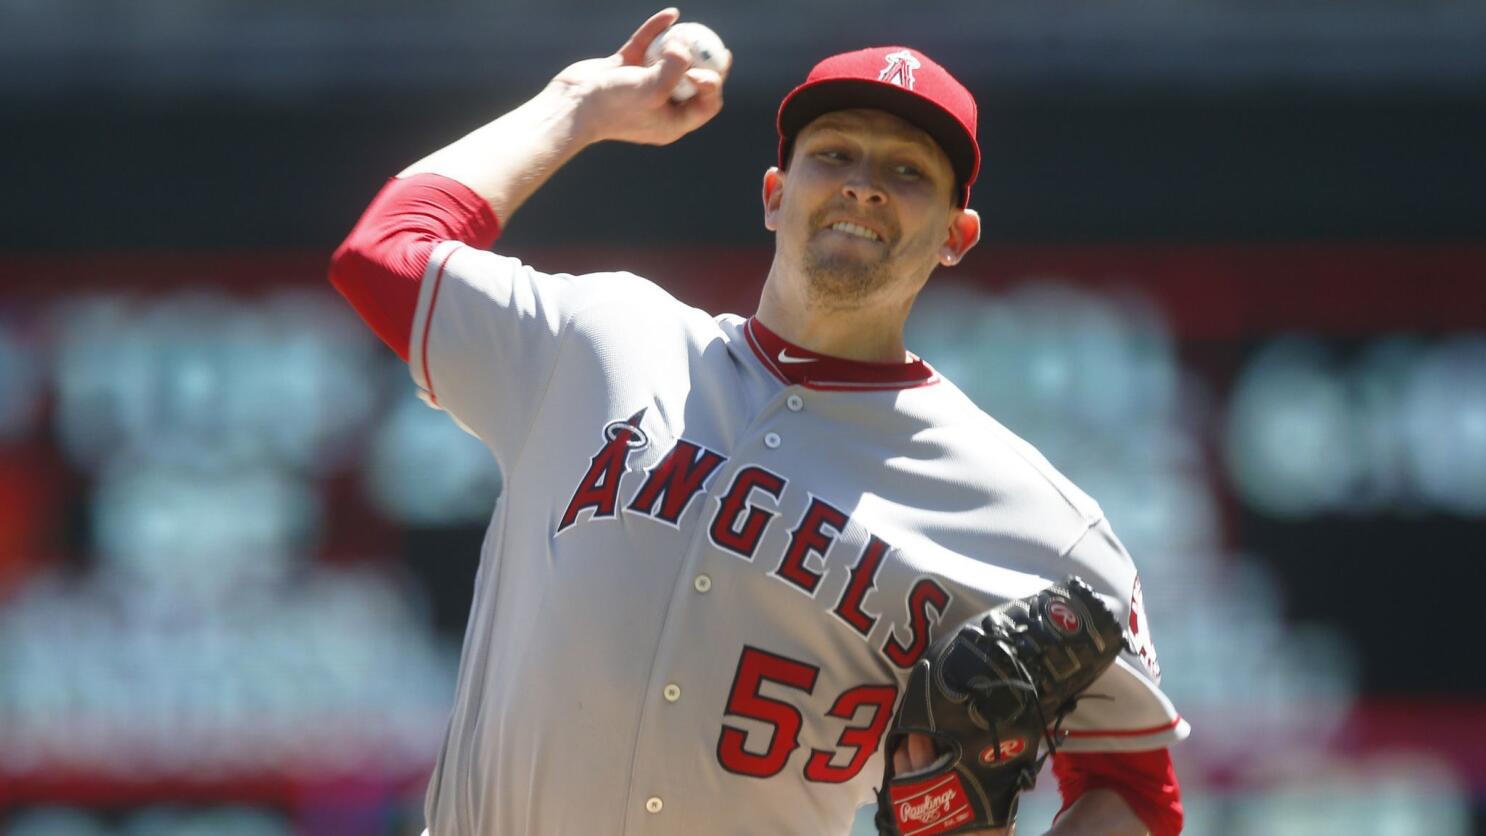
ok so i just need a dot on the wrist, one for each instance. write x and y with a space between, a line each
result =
567 106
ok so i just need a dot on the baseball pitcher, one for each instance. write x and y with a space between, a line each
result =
750 574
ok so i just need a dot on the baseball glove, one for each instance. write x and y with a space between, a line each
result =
988 694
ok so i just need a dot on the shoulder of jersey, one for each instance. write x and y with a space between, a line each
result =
605 293
607 282
993 432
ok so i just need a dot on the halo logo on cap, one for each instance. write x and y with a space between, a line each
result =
899 69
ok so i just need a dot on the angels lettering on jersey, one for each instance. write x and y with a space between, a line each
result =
737 522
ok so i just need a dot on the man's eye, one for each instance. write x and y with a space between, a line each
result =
832 155
909 171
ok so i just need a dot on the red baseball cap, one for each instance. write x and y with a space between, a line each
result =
899 80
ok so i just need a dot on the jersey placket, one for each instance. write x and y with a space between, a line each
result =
673 700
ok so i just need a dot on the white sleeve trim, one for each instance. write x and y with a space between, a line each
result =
1153 721
428 296
1126 740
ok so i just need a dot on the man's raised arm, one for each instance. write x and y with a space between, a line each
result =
466 190
616 97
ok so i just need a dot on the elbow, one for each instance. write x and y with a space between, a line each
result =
380 278
349 261
379 267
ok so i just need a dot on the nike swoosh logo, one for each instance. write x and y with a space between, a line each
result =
785 358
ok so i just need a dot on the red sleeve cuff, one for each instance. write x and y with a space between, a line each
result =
443 206
380 264
1145 780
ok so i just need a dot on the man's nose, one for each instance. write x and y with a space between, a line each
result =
862 188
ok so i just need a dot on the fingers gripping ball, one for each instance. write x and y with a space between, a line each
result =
706 48
988 694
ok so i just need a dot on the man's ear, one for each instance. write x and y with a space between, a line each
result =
964 233
773 188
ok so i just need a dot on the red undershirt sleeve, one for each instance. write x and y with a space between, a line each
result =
1145 780
379 266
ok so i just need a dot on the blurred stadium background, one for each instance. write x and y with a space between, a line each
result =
1234 284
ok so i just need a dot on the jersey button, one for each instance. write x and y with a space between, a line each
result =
702 583
653 804
772 440
795 403
672 692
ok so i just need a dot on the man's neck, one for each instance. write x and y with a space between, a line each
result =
866 333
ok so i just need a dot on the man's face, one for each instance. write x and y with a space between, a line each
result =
865 208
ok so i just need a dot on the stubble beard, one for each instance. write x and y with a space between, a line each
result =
837 278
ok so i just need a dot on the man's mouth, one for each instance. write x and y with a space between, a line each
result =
857 230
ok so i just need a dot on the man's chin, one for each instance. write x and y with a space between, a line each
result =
845 280
844 256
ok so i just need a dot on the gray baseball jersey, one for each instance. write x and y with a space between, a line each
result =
718 556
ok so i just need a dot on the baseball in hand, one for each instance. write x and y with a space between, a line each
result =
707 52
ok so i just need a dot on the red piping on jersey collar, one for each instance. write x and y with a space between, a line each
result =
813 370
